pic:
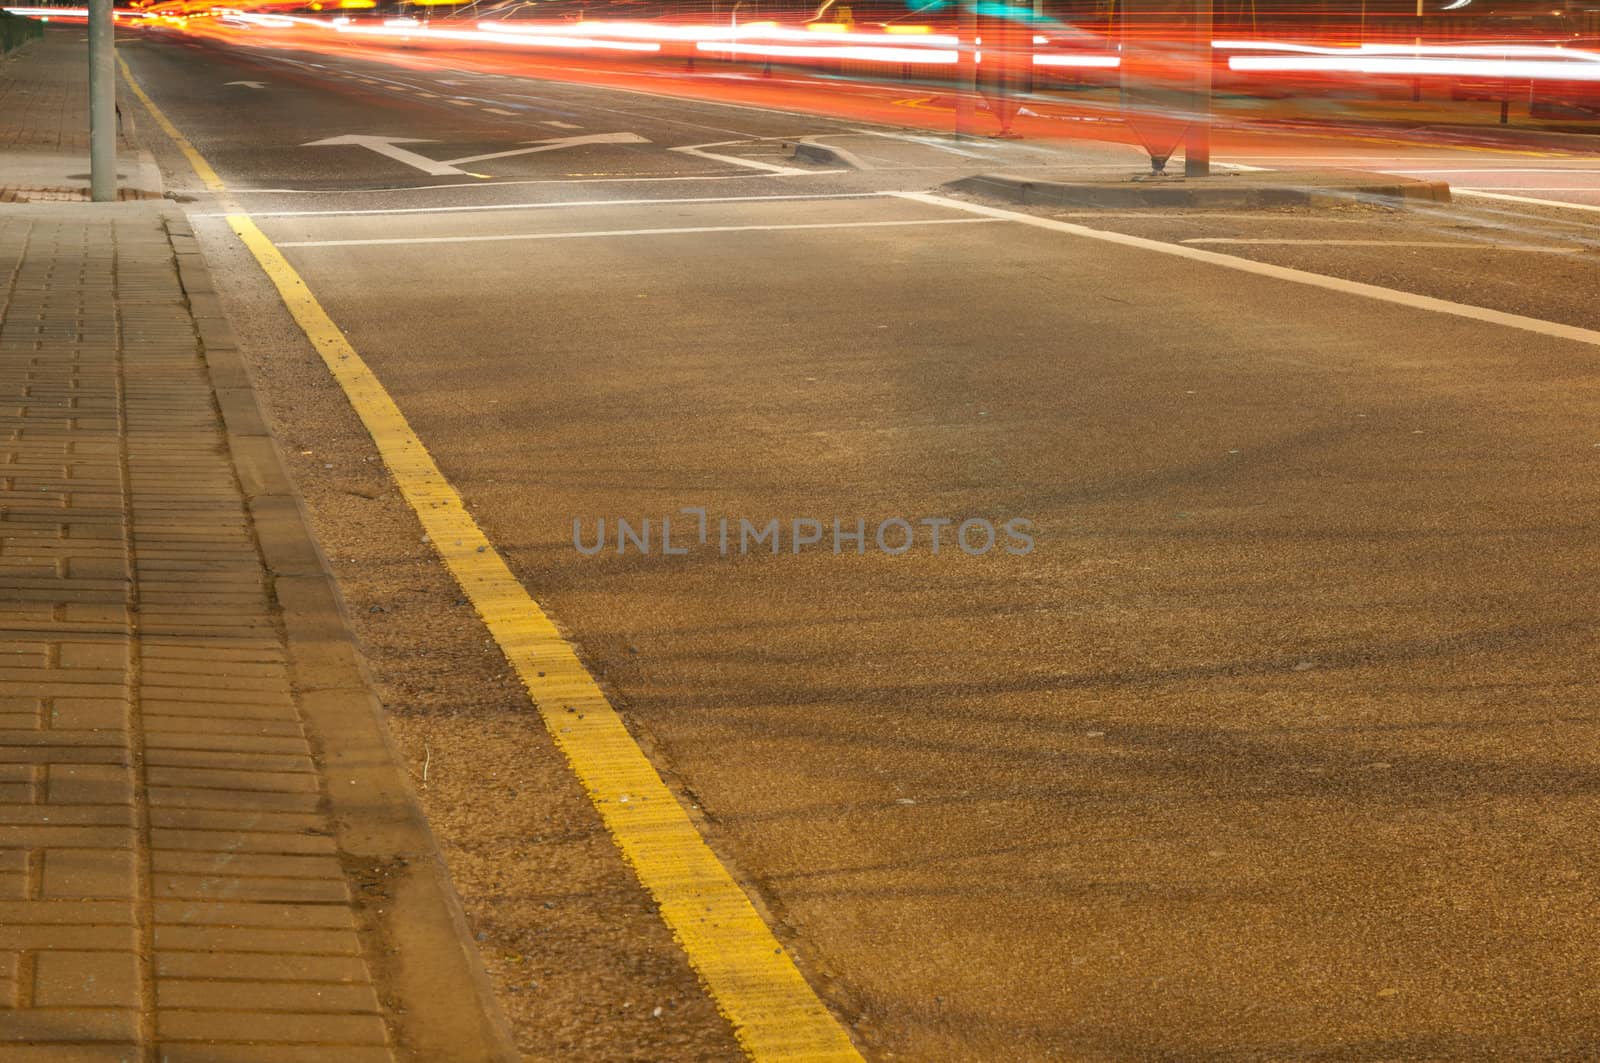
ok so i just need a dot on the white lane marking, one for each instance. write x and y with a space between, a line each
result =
498 110
1368 160
689 101
461 103
555 144
1546 170
1456 191
1544 248
559 125
386 146
1537 188
1209 215
1263 269
925 141
521 181
550 103
426 95
551 206
699 152
247 84
596 233
1523 199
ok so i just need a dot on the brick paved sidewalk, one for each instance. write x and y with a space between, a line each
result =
44 124
206 852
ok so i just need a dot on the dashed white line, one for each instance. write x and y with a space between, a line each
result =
560 125
497 110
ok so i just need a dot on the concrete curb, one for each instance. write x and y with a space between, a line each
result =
150 173
810 149
1221 192
441 1003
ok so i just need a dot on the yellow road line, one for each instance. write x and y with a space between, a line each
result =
201 167
775 1014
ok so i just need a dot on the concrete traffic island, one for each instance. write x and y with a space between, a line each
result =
1226 190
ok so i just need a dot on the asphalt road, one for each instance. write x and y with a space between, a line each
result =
1279 742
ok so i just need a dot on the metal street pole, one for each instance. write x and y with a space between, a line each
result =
102 103
1416 83
1197 140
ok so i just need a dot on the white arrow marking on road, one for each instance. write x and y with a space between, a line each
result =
555 143
386 146
698 150
248 84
